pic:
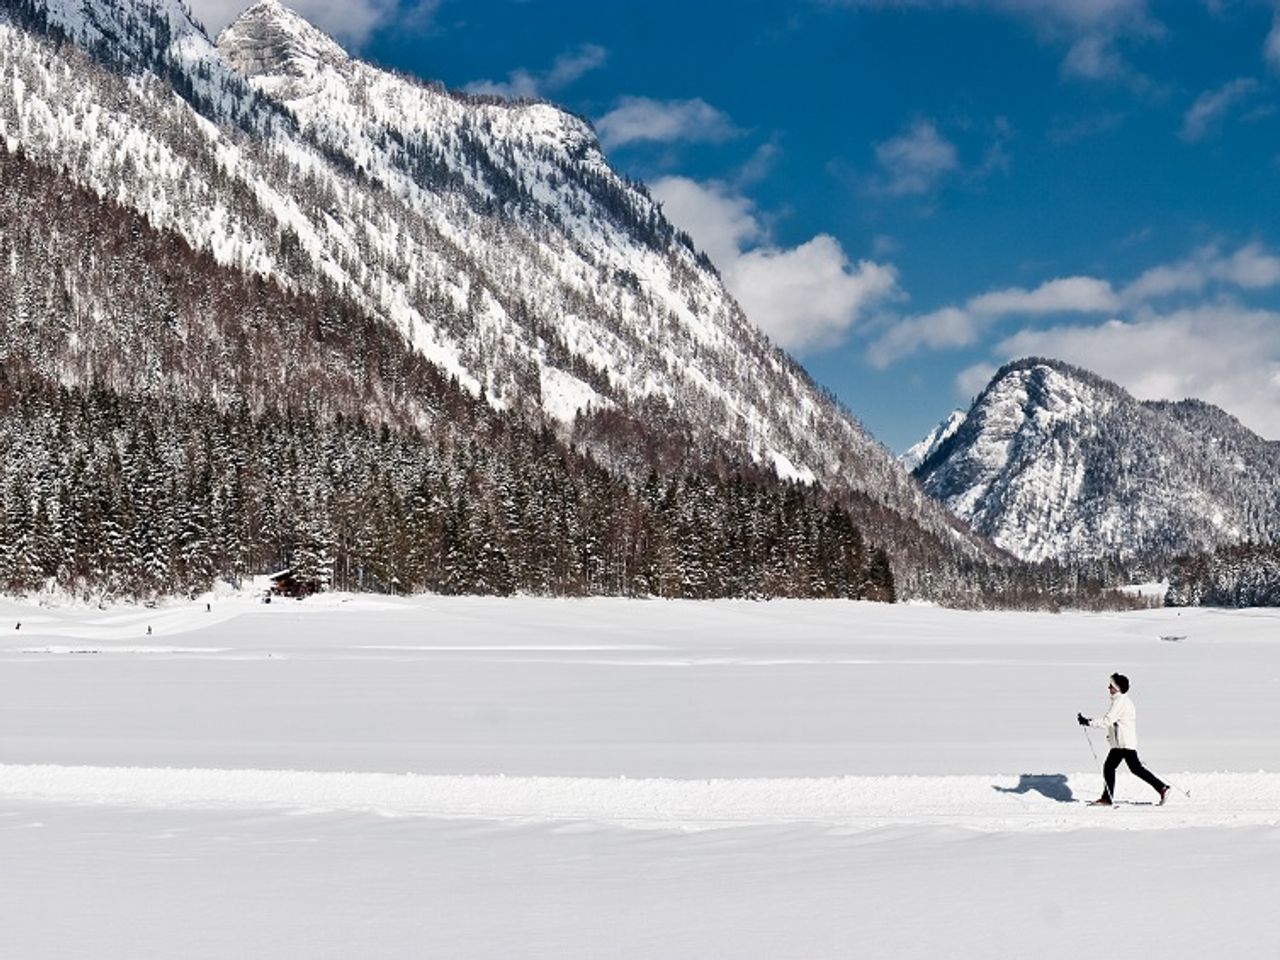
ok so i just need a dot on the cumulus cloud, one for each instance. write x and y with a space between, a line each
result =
350 21
1223 353
1206 271
1251 268
1206 113
961 326
805 296
567 69
915 161
1178 330
721 222
640 119
1064 295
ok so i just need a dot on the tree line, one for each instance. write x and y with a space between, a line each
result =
1245 575
107 495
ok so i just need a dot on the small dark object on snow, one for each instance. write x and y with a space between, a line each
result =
1174 639
148 631
18 625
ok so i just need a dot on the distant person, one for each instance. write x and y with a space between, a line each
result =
18 625
1121 724
148 631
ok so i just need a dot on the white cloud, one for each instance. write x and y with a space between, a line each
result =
1061 14
1223 353
1204 344
961 326
971 381
566 70
1094 58
1089 27
942 329
914 162
722 223
759 165
1208 110
1271 49
1251 267
805 296
639 119
351 21
1064 295
883 245
571 67
810 295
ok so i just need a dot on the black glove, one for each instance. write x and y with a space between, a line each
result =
1082 719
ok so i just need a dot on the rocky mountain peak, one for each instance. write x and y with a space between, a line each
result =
270 39
922 451
1052 461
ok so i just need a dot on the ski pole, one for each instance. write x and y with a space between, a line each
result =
1105 788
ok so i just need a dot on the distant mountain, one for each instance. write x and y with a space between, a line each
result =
319 229
1053 462
920 452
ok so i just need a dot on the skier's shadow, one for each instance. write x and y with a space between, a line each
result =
1051 785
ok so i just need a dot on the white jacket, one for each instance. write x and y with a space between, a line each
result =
1120 722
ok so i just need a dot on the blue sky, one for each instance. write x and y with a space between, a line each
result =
907 193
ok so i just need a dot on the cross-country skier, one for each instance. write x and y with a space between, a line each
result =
1121 724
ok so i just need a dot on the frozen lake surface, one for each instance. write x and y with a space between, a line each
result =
553 778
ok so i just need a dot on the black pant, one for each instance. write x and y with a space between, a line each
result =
1135 767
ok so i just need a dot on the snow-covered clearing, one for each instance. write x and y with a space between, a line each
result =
351 776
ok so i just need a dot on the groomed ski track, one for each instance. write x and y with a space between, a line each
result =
1028 803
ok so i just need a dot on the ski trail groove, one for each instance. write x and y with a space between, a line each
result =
985 803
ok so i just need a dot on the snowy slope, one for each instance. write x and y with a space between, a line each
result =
1054 462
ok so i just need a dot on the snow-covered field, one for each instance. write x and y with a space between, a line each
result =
458 777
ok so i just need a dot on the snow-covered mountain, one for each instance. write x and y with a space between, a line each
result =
492 237
1054 462
919 452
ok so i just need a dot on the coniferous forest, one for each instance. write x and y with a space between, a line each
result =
108 495
1246 575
